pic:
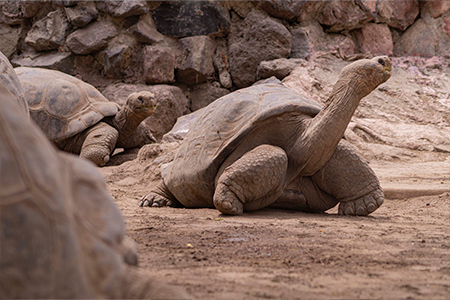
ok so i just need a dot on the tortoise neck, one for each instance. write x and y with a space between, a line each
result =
126 121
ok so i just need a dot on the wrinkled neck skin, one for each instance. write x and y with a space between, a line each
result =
326 129
126 122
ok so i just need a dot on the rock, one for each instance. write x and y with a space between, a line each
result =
62 61
116 58
91 38
436 8
191 18
319 41
446 27
241 8
66 3
145 30
399 14
159 64
279 68
221 63
419 40
48 33
252 40
30 8
291 9
375 39
197 59
338 15
124 8
300 45
10 12
171 104
82 14
10 39
203 94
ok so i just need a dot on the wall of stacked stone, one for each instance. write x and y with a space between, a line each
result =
208 48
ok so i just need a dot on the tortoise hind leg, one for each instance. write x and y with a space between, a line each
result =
99 143
252 182
349 178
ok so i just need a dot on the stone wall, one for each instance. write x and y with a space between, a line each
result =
208 48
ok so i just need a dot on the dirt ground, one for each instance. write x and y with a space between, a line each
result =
401 251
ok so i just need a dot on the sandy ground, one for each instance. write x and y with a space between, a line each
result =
401 251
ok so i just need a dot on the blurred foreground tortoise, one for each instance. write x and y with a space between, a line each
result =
79 119
61 235
10 80
267 145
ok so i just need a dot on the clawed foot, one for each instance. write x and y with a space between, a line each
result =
362 206
154 200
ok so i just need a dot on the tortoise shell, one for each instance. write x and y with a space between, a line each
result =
10 80
62 105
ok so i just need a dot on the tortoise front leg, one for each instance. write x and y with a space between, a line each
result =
99 143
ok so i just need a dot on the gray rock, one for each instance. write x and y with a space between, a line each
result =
145 30
257 38
171 104
203 94
339 15
10 12
66 2
221 63
62 61
116 58
291 9
91 38
82 14
30 8
159 64
123 9
197 59
279 68
9 37
191 18
300 44
49 32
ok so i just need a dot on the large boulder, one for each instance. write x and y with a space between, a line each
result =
399 14
291 10
191 18
197 59
55 60
123 8
91 38
375 39
171 104
436 8
49 32
339 15
256 38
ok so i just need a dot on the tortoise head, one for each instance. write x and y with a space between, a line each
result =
367 74
142 103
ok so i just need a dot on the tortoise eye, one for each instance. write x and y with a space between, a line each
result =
381 61
140 98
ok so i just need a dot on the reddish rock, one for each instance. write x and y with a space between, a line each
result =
419 40
197 61
435 8
159 65
123 9
399 14
338 15
446 27
375 39
81 14
291 9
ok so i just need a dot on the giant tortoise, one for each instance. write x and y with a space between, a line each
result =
267 145
61 236
9 78
79 119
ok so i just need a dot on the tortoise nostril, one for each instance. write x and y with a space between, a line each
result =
381 61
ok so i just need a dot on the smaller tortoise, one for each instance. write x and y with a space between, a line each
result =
267 145
78 119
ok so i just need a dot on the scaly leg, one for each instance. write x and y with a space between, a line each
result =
252 182
99 143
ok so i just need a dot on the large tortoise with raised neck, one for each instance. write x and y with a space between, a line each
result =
267 145
78 119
